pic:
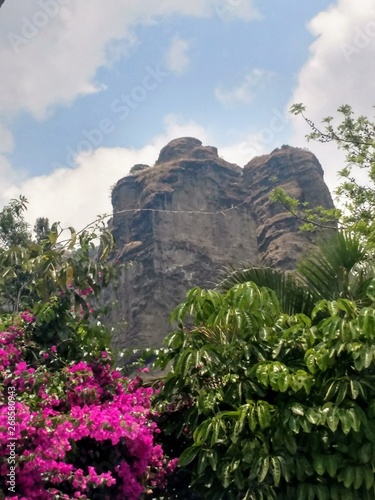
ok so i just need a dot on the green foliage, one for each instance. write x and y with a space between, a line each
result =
14 230
311 217
356 192
269 405
270 391
41 229
60 281
340 266
293 296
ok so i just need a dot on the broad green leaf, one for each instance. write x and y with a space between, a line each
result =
176 340
203 461
354 388
264 415
356 419
283 382
262 373
322 359
333 419
322 492
348 476
213 458
367 355
183 364
358 478
332 307
290 443
188 455
341 394
215 431
310 361
226 476
368 477
276 470
263 471
331 463
297 409
313 416
252 418
201 432
239 479
365 452
73 237
345 419
332 390
366 322
319 464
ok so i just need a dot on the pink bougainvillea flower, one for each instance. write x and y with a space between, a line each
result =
69 421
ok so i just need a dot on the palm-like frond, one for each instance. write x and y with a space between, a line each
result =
293 295
340 267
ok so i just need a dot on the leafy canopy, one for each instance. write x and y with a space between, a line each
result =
60 280
356 190
270 405
14 230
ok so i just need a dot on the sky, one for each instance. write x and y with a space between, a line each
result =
90 88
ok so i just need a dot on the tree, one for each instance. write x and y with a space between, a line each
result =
356 192
41 229
59 280
270 405
14 230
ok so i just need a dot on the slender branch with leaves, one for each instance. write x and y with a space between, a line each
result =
356 191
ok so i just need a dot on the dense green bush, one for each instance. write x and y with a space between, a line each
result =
269 405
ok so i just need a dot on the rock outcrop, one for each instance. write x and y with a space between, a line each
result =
181 221
299 173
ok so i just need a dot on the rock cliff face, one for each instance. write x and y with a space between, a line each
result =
299 173
184 219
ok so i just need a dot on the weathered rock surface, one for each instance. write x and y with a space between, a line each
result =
193 213
299 173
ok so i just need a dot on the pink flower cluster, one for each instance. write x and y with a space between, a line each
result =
27 316
83 432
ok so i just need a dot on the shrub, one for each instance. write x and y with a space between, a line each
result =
268 405
82 431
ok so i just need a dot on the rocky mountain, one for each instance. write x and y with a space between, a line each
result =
192 213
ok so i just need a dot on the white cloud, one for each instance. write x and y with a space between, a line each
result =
6 142
245 91
244 150
74 196
177 57
227 10
50 51
339 71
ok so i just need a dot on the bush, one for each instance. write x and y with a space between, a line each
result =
268 405
82 431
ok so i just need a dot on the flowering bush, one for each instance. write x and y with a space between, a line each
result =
82 431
